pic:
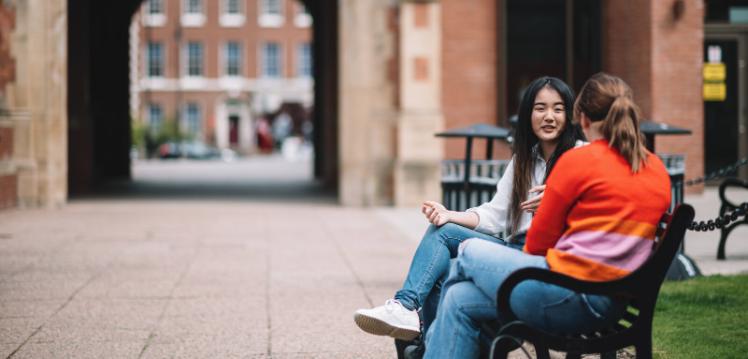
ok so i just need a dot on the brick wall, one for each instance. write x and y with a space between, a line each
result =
8 191
7 63
213 37
469 70
677 61
627 46
8 180
660 56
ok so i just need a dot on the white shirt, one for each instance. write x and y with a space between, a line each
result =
493 216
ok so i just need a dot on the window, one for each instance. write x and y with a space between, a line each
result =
155 7
272 7
155 117
194 59
271 13
302 17
232 7
271 60
193 6
233 59
231 15
155 60
192 118
192 13
304 65
154 13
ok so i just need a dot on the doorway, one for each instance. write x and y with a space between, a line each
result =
725 117
559 38
233 130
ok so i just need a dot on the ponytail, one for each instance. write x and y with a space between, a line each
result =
621 128
607 99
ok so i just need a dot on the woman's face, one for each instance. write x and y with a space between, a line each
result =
548 115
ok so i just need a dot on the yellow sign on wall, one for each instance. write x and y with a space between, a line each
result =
715 72
715 91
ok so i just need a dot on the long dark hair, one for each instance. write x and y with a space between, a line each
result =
525 141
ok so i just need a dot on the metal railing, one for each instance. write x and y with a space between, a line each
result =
460 192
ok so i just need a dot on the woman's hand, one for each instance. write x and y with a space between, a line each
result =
532 204
436 213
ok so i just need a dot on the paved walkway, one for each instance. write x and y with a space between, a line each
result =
196 261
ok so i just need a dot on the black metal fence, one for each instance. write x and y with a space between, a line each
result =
459 194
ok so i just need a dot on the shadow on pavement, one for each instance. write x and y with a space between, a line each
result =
265 179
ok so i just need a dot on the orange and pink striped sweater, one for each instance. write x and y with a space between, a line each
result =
597 219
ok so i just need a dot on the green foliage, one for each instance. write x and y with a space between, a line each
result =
138 133
702 318
169 132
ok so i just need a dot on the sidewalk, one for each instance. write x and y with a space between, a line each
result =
213 277
216 266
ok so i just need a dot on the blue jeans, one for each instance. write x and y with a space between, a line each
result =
430 266
469 298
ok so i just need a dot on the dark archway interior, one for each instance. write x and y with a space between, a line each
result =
99 129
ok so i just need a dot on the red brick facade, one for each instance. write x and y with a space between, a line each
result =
7 63
660 56
8 181
8 191
250 35
470 58
654 48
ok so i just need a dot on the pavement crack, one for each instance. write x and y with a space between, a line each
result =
268 266
63 306
169 299
348 264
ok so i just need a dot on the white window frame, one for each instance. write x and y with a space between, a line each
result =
147 61
186 62
300 65
227 19
302 18
193 19
153 19
188 123
262 62
224 59
155 126
266 19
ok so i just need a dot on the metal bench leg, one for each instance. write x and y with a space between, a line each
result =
724 232
644 349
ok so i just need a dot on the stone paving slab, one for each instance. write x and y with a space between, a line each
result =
226 275
158 279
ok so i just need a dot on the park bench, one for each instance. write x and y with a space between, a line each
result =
640 288
728 206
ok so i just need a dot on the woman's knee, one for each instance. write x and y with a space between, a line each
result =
464 302
448 232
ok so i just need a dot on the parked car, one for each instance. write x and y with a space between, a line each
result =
187 149
198 150
169 150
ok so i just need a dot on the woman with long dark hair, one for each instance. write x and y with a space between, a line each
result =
597 222
544 132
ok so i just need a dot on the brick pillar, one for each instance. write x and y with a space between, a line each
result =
8 176
367 115
418 151
658 50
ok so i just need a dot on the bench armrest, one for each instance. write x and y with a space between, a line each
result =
611 288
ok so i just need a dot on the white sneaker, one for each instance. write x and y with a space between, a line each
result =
389 319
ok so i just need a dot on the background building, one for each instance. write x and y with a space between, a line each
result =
210 67
387 76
